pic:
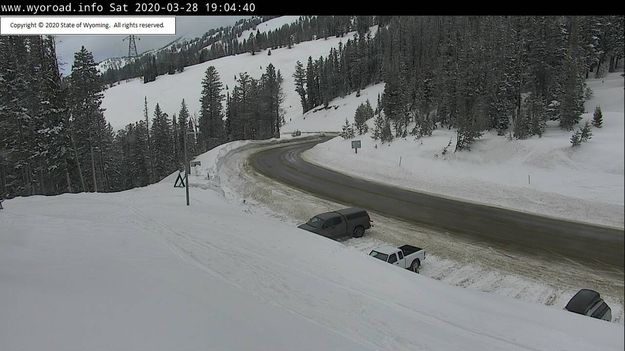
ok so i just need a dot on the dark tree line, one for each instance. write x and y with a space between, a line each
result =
512 74
253 108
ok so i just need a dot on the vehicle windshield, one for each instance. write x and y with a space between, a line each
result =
379 255
315 222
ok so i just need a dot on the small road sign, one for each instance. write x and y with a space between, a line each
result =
356 145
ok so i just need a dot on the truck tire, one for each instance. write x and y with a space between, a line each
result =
416 264
359 231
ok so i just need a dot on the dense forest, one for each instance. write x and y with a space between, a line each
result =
55 139
510 74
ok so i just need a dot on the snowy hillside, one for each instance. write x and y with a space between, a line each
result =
540 175
268 26
111 63
332 118
124 102
138 270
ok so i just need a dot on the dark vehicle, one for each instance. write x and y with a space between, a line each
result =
589 303
346 222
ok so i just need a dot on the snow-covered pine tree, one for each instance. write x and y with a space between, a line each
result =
347 130
585 132
576 138
597 117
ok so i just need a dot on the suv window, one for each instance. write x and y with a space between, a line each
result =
333 221
401 255
392 258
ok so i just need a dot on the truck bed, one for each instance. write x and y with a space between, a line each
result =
409 249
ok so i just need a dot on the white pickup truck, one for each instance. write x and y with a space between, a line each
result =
407 256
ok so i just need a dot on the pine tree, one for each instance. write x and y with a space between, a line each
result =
386 135
162 144
364 112
585 132
211 110
572 91
348 130
272 98
312 84
597 117
378 125
183 126
87 118
576 138
300 84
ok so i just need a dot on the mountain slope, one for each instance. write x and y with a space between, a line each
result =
124 102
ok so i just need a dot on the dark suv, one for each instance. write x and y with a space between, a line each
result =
346 222
589 303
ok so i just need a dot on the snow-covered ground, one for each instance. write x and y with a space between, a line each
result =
139 270
123 103
471 264
268 26
332 118
539 175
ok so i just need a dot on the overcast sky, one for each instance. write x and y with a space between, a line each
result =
105 46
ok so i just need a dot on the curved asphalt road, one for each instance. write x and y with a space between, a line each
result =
512 230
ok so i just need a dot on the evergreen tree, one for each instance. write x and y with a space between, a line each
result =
87 118
183 127
312 84
162 144
211 110
386 135
597 117
585 132
571 94
364 112
348 130
300 84
576 138
378 126
272 98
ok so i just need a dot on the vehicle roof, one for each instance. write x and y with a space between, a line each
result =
583 301
350 210
386 249
326 215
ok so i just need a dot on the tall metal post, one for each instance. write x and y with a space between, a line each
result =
186 164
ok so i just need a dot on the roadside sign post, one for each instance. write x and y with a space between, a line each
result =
187 165
356 145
